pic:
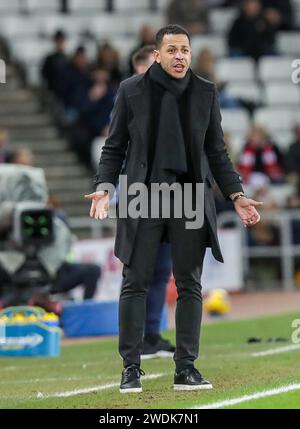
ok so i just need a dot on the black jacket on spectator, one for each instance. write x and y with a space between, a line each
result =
95 115
284 7
53 72
75 86
251 36
293 158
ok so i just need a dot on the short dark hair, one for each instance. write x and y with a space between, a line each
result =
142 55
59 35
170 29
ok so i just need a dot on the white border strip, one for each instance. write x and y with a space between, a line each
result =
246 398
92 389
277 350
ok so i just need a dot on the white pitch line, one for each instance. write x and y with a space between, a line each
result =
43 380
92 389
246 398
277 350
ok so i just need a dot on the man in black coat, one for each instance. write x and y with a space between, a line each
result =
166 127
251 33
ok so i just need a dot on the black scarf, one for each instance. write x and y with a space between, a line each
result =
170 153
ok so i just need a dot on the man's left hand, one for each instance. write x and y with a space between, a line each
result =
246 209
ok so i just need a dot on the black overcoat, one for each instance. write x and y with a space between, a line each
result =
128 141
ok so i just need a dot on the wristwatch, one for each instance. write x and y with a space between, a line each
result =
235 197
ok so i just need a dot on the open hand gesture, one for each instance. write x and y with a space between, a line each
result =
100 204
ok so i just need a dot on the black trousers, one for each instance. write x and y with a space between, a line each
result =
188 250
71 275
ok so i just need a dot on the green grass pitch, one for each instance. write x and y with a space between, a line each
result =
93 369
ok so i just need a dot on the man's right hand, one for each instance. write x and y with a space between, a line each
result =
100 204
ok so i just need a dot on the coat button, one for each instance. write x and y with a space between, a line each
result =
143 164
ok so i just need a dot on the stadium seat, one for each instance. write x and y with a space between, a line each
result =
282 94
235 120
131 5
14 27
236 141
9 6
248 90
162 4
109 25
72 25
33 66
86 6
296 8
137 20
221 19
280 193
282 138
124 45
37 6
216 44
235 69
275 68
275 120
288 43
31 51
33 74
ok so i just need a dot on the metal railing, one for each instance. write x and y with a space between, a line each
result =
286 251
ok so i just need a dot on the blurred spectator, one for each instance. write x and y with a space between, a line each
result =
267 232
71 275
55 65
94 105
261 155
251 33
205 67
230 3
146 37
64 6
5 153
293 158
108 59
278 13
23 156
293 202
78 79
143 59
97 104
193 15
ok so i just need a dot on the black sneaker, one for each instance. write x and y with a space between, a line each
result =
158 348
131 382
190 379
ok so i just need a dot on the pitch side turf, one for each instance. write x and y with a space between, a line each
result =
87 375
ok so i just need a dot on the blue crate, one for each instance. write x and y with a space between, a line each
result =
29 339
94 318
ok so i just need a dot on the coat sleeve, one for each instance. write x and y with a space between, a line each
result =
228 180
115 147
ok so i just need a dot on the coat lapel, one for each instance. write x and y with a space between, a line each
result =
201 101
140 103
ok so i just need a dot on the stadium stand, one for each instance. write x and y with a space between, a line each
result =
264 90
235 69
